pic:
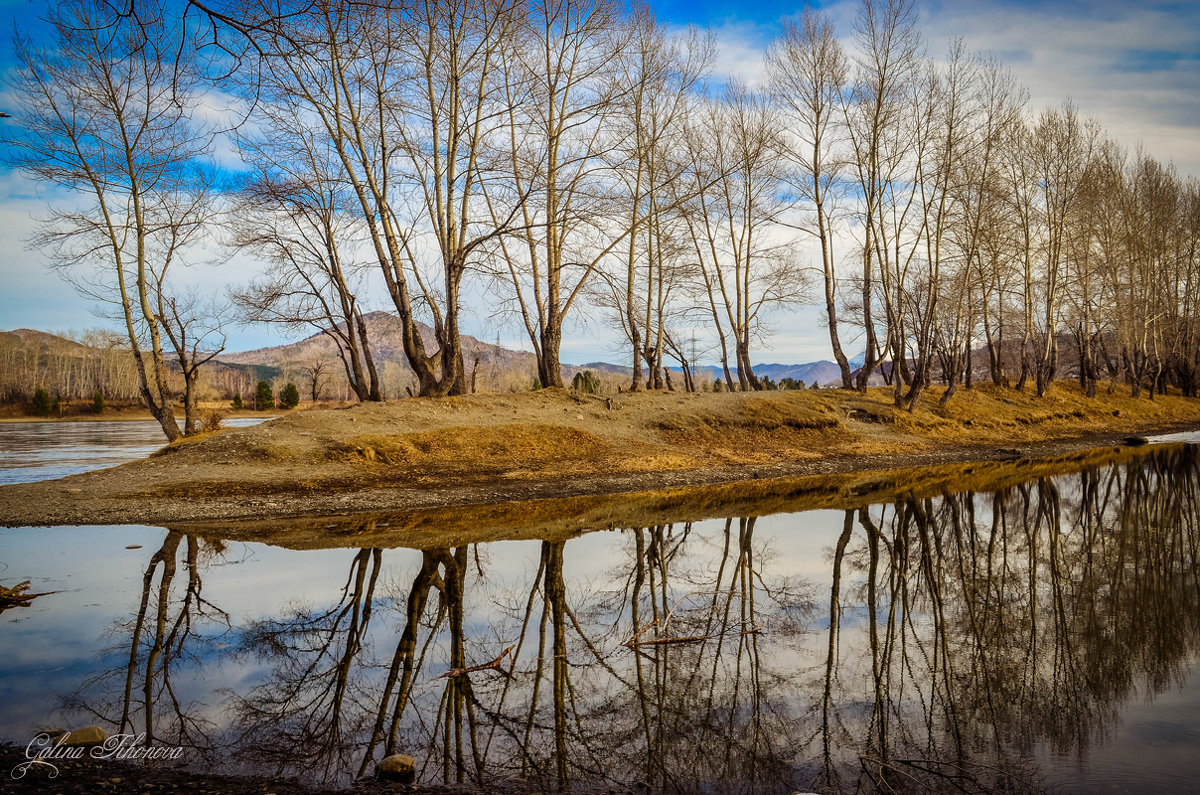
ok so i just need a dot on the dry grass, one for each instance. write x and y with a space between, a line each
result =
497 448
489 448
556 433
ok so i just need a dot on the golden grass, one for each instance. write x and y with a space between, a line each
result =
188 441
554 434
497 447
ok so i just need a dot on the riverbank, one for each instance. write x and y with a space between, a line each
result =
13 414
484 450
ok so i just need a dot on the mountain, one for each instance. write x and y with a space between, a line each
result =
42 341
385 332
495 367
823 372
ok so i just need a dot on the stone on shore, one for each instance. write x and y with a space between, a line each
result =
90 735
397 767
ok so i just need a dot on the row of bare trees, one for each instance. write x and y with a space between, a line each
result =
534 158
110 113
978 223
569 153
98 362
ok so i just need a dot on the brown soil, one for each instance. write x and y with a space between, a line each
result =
450 466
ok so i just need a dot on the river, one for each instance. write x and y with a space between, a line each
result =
31 451
1040 637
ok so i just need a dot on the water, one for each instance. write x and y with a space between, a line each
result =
1044 636
31 451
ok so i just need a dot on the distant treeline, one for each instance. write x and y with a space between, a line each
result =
96 362
67 369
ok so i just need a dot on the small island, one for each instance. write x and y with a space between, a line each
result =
449 453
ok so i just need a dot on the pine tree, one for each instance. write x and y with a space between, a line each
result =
289 396
266 397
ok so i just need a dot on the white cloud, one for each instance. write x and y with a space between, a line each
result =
1134 66
740 48
1131 65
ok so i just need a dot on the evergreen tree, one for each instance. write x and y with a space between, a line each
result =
41 402
265 397
289 396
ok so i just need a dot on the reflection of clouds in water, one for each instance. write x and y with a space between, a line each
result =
934 647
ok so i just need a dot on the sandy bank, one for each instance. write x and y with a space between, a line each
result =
486 450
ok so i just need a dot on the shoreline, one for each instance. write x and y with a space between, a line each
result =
466 454
554 511
126 415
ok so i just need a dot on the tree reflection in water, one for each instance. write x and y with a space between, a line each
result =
167 633
951 637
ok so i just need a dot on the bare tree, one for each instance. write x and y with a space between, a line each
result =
408 98
983 234
108 114
315 372
297 216
880 96
659 72
947 113
560 88
195 328
808 70
1062 148
747 268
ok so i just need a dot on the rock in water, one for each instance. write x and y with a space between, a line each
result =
91 735
1135 441
397 767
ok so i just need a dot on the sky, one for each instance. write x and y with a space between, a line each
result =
1134 66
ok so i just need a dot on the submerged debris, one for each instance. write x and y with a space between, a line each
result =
18 596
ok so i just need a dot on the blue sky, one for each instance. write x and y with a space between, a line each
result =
1135 66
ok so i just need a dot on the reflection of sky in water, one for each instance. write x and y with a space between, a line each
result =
52 647
62 638
32 451
54 642
1191 437
1161 734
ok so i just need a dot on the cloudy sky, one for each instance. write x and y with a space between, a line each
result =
1134 66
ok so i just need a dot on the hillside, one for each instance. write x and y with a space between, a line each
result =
384 330
76 370
41 340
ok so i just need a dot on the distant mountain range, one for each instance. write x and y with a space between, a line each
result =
385 332
822 372
499 367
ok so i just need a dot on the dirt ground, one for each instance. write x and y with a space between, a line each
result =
87 776
467 455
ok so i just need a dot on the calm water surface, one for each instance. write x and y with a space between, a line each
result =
1043 637
31 451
